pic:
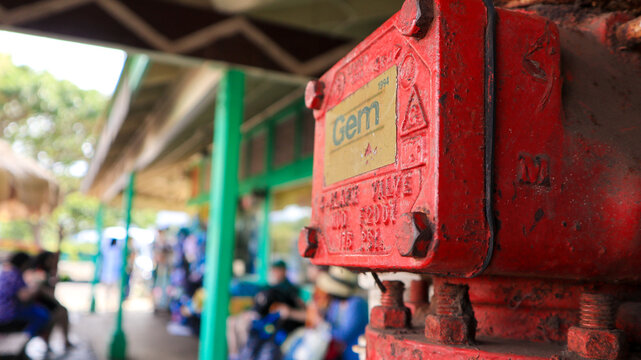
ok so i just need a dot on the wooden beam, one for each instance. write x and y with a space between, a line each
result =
196 32
133 72
185 101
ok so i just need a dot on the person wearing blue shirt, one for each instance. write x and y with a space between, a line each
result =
16 297
335 319
344 311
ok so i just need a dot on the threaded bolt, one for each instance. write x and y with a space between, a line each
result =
393 296
597 311
447 300
418 292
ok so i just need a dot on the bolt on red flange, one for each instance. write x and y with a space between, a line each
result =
595 337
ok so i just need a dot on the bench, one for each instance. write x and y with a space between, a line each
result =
13 341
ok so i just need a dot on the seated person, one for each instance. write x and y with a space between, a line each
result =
268 328
335 309
278 279
46 264
15 297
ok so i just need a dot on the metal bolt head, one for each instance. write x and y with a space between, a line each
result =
600 344
386 317
314 94
307 242
414 238
450 330
415 17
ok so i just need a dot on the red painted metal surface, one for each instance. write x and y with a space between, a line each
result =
411 345
439 109
566 197
530 309
392 313
516 319
567 192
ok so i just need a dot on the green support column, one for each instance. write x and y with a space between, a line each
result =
96 260
118 345
222 215
264 247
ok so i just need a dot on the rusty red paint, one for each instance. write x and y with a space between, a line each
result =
392 313
415 18
598 344
567 184
418 301
411 345
628 320
565 189
430 81
595 336
523 315
453 320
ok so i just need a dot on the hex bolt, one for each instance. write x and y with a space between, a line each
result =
314 94
595 337
448 301
392 313
307 242
418 292
415 17
597 311
454 321
415 236
393 297
418 301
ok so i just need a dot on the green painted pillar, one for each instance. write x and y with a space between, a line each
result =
96 259
222 215
118 345
264 247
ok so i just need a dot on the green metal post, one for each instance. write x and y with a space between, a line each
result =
118 345
222 215
96 260
264 247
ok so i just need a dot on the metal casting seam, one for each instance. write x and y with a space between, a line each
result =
489 85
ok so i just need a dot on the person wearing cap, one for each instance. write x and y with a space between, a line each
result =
267 325
278 279
335 308
338 304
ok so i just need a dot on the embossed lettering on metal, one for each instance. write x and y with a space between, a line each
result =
360 132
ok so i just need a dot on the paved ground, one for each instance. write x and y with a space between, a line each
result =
82 350
147 336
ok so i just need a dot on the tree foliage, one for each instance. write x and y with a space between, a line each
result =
48 119
54 122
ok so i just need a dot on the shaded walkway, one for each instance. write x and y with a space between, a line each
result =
147 337
81 351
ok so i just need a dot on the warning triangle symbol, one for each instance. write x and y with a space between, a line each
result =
414 115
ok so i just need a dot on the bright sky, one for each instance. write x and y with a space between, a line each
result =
87 66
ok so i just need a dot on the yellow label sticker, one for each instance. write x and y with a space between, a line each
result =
360 132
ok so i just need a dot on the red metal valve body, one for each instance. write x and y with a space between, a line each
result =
399 167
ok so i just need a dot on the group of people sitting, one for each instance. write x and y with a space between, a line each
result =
27 300
282 327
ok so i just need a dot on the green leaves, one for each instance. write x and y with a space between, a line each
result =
54 122
48 119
